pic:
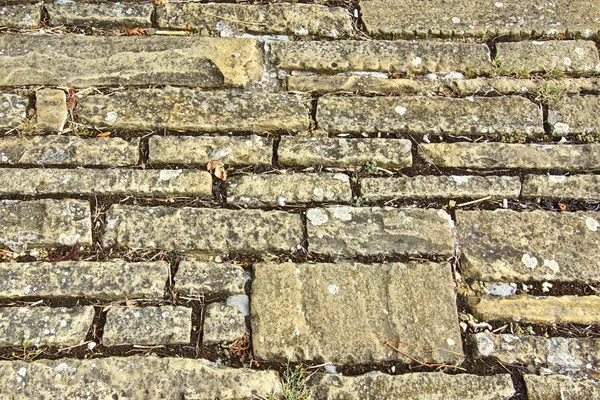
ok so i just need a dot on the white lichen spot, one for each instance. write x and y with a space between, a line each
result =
450 342
400 110
318 192
27 290
499 4
456 20
168 174
529 261
579 51
485 345
63 323
317 216
22 371
552 265
281 201
341 177
296 331
557 178
567 61
461 179
342 213
546 286
111 117
333 289
591 224
417 61
560 128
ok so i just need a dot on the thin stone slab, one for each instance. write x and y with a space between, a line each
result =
346 312
106 182
493 155
280 190
560 387
440 187
480 19
574 116
68 150
352 231
530 245
13 110
544 89
382 56
357 83
230 150
557 187
147 325
21 16
44 326
223 323
84 61
199 278
135 378
430 115
297 151
104 15
263 19
51 109
415 385
202 229
191 110
44 224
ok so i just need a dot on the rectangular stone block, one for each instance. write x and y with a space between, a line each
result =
223 323
557 187
430 115
198 278
44 223
546 90
21 16
280 190
12 110
51 109
105 182
345 313
575 115
530 245
191 110
558 386
297 151
68 150
230 150
440 187
356 83
352 231
105 280
104 15
44 326
202 229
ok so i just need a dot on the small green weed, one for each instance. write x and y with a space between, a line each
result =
589 137
370 167
549 94
293 385
511 137
27 352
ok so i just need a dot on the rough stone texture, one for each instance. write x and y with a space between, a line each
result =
430 115
430 187
222 323
44 223
147 325
198 278
486 19
44 326
325 312
230 150
504 85
557 387
105 280
68 150
382 56
584 187
273 190
351 231
271 19
493 155
190 110
297 151
105 15
12 110
202 229
21 16
416 385
164 182
51 109
534 245
135 378
357 83
574 115
141 60
541 310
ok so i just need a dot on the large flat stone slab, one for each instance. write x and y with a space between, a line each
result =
346 312
105 15
195 278
558 386
352 231
557 187
192 110
12 110
535 245
21 16
574 115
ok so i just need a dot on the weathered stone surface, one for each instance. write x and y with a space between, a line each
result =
430 115
21 16
147 325
190 110
230 150
12 110
544 90
535 245
271 19
135 378
325 312
44 223
585 187
486 19
272 190
430 186
105 280
202 229
222 323
356 83
68 150
164 182
541 310
574 115
197 278
382 56
106 15
557 387
502 155
51 109
297 151
141 60
44 326
351 231
416 385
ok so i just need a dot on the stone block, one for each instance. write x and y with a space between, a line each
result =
51 109
199 278
223 323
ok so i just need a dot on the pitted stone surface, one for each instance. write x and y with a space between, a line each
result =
530 245
44 326
21 16
106 15
44 224
325 312
51 109
222 323
12 110
356 83
585 187
574 115
506 85
556 387
198 278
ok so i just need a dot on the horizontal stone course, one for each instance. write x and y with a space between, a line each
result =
12 110
585 187
199 278
574 115
544 89
356 83
557 386
105 15
21 16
